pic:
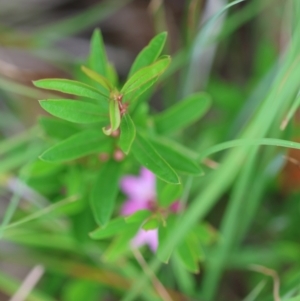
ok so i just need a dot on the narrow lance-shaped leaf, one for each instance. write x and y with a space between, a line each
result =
98 58
127 134
151 223
148 157
114 116
182 114
246 143
97 78
114 227
143 93
38 168
58 128
149 54
74 111
163 234
76 146
146 74
167 193
179 157
71 87
112 75
189 252
138 217
105 191
121 243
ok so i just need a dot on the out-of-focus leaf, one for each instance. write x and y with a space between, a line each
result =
57 128
151 224
167 193
74 111
76 146
149 54
138 217
146 154
19 158
127 134
121 245
38 169
145 75
181 159
111 229
187 251
246 143
163 232
105 191
77 290
183 113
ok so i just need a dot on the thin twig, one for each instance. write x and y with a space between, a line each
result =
28 284
156 283
271 273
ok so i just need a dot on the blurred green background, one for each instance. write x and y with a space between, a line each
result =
242 55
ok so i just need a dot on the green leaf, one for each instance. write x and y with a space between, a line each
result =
57 128
98 58
115 117
163 233
151 224
145 153
76 146
97 78
138 217
188 252
105 191
149 54
135 97
205 233
112 75
247 143
19 157
111 229
74 110
185 280
40 169
127 134
167 193
72 87
121 245
146 74
182 114
180 158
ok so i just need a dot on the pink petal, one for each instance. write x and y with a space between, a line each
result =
131 206
140 188
148 177
130 186
144 237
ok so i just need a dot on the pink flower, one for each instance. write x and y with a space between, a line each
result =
140 191
141 195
